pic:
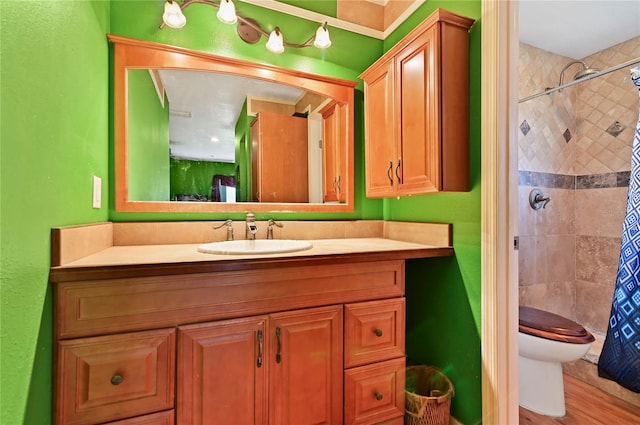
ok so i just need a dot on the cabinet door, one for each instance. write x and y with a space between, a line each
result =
222 373
380 130
417 164
305 380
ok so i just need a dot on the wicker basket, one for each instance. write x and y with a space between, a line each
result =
427 396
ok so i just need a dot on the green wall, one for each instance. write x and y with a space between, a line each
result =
443 295
54 137
194 177
148 120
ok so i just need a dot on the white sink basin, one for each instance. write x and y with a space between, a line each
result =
260 246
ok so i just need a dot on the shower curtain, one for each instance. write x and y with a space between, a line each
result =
620 357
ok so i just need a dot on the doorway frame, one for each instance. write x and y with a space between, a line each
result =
499 209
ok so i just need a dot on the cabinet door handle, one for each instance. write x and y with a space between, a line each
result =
116 379
389 173
260 349
377 331
338 186
398 169
378 395
278 356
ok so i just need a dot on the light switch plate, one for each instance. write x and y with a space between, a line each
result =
97 192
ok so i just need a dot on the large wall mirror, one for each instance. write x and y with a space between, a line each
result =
196 132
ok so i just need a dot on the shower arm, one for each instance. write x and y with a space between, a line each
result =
587 78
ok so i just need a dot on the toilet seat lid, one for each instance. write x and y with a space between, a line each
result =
549 322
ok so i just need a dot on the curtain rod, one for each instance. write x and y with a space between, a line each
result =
590 77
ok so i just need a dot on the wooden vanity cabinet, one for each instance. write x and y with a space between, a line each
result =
277 341
416 108
279 158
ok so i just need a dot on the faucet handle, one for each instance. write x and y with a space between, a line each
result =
270 224
229 224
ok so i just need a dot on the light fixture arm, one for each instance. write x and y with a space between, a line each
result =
247 21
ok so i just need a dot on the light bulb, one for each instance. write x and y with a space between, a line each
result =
275 44
227 12
173 16
322 40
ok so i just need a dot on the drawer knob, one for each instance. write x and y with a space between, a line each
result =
378 395
116 380
377 331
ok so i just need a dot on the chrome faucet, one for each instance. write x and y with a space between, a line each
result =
271 223
229 225
252 227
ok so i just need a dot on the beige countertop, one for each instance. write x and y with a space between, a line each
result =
106 250
187 253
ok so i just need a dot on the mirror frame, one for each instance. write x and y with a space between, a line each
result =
130 53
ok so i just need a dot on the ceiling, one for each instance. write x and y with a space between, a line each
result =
571 28
577 29
205 108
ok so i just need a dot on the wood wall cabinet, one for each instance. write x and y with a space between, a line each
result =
265 342
416 106
279 158
334 163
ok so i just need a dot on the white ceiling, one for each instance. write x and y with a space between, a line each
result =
577 29
205 107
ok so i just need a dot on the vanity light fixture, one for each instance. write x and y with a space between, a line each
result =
249 30
275 44
227 12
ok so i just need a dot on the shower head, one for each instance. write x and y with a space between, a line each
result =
584 72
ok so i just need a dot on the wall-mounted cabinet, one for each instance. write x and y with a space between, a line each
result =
416 105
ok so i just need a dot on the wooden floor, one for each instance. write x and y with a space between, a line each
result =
587 405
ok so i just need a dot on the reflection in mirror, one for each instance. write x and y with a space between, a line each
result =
197 132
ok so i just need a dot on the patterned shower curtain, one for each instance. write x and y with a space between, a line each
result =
620 358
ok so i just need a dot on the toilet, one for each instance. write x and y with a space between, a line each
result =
545 340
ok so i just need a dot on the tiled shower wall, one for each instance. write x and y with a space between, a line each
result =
575 145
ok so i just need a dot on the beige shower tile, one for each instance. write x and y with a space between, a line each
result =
526 215
560 298
600 212
593 304
558 216
597 259
560 258
527 267
533 295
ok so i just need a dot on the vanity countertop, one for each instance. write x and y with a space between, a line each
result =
86 251
187 253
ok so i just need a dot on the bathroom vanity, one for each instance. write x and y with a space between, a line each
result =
164 334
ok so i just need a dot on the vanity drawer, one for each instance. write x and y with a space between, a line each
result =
373 331
114 377
374 393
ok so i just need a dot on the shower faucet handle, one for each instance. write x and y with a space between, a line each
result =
538 200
